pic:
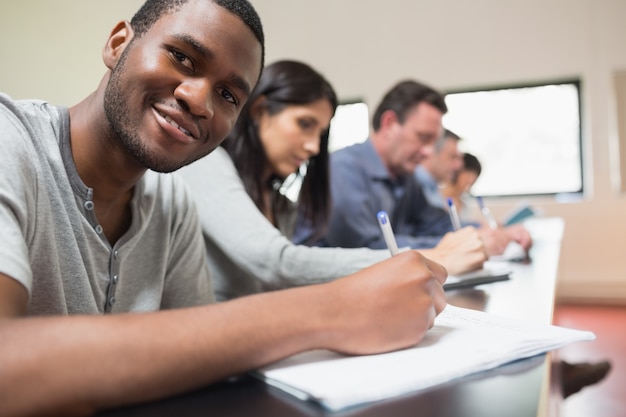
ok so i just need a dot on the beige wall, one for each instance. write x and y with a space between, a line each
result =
52 50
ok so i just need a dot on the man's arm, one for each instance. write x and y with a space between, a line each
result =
74 365
353 222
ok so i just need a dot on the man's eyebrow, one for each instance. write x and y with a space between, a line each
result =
207 54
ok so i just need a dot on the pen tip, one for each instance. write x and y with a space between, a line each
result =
450 202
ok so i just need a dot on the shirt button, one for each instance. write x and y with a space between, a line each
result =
115 278
114 254
99 229
111 301
88 205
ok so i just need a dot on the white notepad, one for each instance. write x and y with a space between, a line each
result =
461 343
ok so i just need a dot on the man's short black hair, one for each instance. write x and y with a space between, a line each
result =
403 97
152 10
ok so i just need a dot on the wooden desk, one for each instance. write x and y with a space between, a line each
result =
520 389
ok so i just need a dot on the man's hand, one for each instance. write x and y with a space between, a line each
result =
459 252
519 234
496 240
385 307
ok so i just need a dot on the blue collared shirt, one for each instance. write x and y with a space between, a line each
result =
361 187
429 187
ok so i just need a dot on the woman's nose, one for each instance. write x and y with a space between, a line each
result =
312 146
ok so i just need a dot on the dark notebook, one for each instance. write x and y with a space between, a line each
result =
482 276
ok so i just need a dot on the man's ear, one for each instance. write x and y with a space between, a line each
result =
388 118
120 37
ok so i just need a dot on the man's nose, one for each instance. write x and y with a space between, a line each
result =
196 93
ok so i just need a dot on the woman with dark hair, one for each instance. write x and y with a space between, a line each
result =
284 129
247 221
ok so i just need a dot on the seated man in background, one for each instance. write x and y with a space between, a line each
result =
460 185
440 168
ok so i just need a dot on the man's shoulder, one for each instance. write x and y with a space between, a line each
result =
31 129
26 109
353 152
35 118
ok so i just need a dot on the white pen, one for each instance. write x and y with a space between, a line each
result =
454 215
385 225
487 213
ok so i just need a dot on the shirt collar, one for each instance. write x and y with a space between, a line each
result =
425 178
373 163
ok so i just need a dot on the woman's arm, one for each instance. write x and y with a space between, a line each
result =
232 223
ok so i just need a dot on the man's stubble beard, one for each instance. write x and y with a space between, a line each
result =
124 131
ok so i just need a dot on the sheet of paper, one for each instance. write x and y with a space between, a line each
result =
461 343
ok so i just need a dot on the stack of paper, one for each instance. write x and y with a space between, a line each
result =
461 343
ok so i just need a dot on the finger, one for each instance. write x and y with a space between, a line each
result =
439 272
439 298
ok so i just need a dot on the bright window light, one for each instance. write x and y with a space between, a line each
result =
527 138
350 125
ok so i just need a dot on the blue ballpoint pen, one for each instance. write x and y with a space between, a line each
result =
385 225
454 215
487 213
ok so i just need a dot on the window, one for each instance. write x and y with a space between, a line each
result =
527 138
349 125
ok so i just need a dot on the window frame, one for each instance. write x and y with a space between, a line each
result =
577 83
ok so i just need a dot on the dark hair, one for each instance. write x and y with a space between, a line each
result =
153 10
403 97
282 84
470 163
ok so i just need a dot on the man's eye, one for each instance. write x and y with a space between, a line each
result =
424 138
182 58
229 96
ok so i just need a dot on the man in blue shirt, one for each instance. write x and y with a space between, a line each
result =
378 174
439 168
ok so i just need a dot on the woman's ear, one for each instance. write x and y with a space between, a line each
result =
120 37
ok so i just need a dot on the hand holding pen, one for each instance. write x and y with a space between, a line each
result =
385 225
454 215
487 213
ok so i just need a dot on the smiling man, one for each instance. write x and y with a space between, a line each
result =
95 241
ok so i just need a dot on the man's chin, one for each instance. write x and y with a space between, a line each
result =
161 166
